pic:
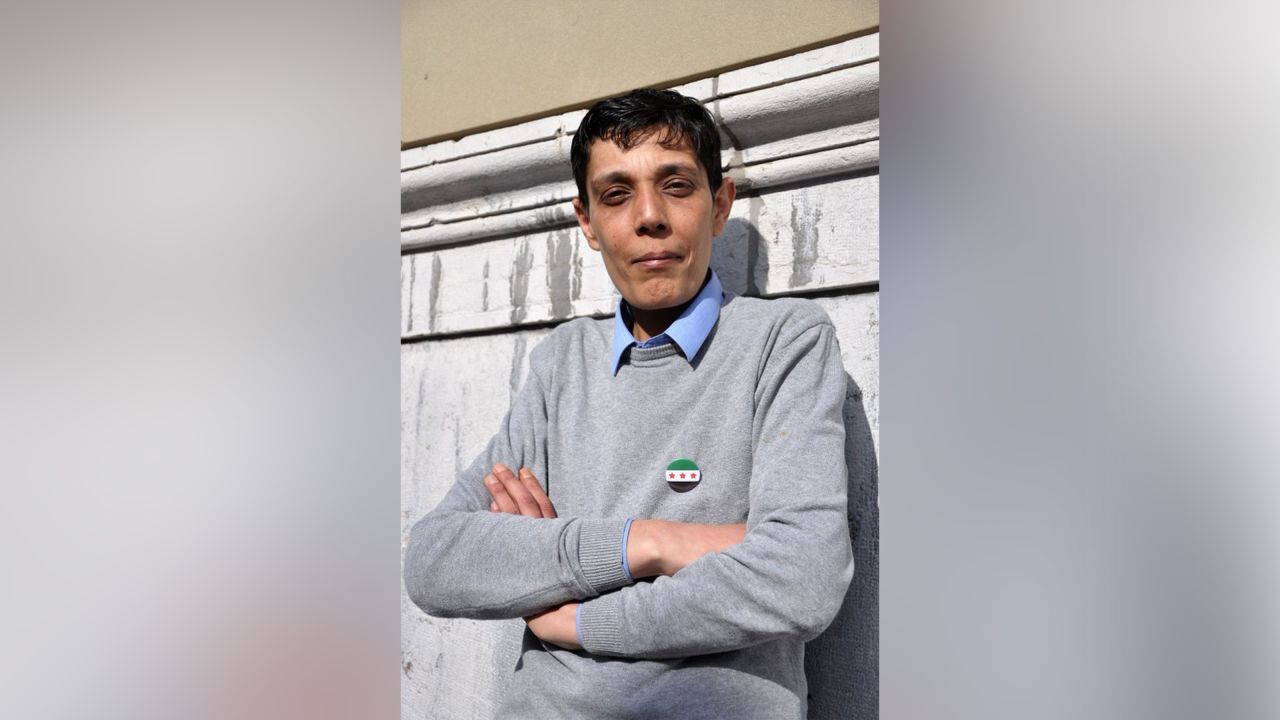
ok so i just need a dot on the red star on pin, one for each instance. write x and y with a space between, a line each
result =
682 476
693 475
671 475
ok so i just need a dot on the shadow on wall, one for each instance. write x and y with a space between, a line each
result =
842 664
740 256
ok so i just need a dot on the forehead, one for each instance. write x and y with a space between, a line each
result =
606 156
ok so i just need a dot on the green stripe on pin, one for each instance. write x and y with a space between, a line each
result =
682 474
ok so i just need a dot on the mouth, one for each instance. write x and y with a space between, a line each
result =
657 259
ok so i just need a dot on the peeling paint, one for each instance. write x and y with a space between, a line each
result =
519 283
419 402
458 461
576 285
804 244
413 275
484 297
433 304
417 406
517 357
545 216
756 250
559 265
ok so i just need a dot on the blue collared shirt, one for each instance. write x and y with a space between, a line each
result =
688 332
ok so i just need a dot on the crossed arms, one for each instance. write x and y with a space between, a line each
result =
715 588
652 548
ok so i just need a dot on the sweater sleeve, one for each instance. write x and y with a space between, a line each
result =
789 575
463 560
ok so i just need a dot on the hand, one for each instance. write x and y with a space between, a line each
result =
518 496
664 547
557 625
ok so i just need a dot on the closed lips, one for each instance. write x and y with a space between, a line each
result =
657 256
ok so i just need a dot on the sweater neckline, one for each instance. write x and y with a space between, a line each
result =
651 354
661 354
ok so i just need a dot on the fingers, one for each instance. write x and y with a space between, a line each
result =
511 494
502 502
518 496
518 491
535 490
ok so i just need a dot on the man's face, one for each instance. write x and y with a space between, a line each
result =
652 217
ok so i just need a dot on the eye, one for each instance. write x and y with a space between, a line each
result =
680 187
613 196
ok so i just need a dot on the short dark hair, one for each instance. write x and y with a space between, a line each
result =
629 119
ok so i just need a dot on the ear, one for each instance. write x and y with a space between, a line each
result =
584 221
723 203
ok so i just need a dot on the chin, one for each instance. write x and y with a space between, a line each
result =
662 293
662 301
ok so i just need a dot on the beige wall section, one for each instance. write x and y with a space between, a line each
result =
470 65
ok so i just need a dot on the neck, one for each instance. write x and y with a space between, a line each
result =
651 323
647 324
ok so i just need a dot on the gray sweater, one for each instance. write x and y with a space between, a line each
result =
758 409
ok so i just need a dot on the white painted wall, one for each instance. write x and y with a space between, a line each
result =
493 258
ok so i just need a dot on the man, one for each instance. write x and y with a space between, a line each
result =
676 528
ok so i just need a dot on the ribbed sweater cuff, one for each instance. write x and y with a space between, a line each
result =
600 554
600 625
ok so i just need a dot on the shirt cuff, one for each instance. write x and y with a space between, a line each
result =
601 552
626 533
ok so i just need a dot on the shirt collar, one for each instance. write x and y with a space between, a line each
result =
689 331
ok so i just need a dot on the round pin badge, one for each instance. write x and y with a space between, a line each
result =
683 475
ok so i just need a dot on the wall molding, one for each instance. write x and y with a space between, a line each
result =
796 119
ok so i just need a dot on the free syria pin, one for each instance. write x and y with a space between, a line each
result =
683 475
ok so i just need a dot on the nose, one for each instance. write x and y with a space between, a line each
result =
650 213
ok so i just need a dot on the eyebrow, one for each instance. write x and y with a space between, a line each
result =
664 170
